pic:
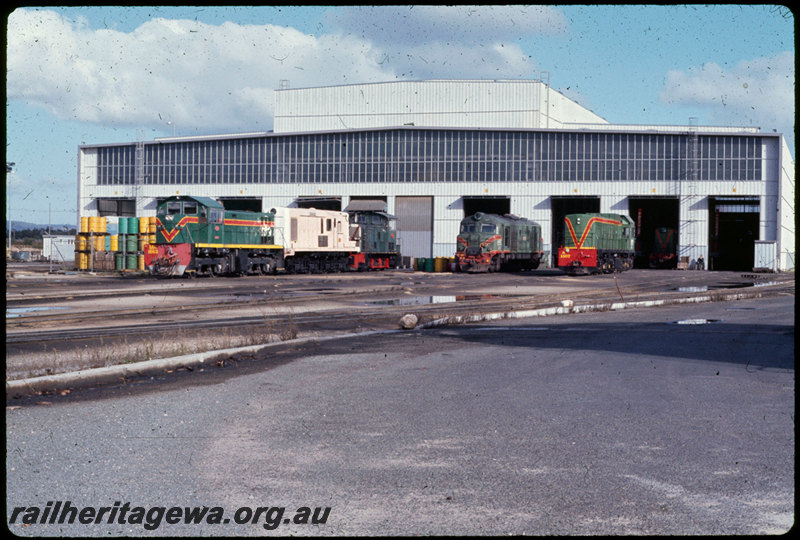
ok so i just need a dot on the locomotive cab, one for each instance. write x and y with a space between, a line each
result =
189 219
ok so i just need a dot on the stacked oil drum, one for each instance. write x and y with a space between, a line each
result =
435 264
93 245
97 250
134 234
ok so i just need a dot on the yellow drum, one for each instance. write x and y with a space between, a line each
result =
81 261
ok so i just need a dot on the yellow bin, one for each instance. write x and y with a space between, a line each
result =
440 264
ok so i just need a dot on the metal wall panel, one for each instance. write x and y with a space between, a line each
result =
524 104
414 225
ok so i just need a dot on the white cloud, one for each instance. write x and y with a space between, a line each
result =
757 92
206 78
193 74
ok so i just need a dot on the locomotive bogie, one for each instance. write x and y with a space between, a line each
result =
373 261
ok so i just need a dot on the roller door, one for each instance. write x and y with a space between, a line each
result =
415 225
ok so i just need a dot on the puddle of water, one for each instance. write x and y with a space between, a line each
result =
22 311
704 288
765 283
696 321
413 301
423 300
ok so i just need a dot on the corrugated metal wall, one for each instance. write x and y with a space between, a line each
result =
414 225
524 104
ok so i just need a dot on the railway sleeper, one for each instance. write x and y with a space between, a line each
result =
316 263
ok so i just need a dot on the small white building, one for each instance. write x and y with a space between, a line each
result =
58 248
436 151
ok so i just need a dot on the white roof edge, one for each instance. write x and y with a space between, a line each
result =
416 81
661 128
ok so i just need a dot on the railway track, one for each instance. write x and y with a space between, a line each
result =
367 308
94 331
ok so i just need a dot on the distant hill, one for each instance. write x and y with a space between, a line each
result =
22 225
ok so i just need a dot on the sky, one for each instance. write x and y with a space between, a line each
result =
113 74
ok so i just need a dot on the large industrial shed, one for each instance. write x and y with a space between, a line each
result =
436 151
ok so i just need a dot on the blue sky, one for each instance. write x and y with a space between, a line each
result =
94 75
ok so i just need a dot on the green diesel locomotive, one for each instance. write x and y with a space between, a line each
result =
372 229
490 243
196 235
596 243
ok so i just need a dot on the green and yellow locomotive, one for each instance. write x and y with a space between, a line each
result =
196 235
596 243
490 243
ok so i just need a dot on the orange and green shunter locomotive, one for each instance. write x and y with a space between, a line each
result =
490 243
597 243
196 235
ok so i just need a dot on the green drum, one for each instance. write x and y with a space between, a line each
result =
131 243
131 262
